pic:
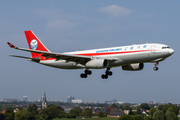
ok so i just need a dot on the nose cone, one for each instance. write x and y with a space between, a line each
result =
171 51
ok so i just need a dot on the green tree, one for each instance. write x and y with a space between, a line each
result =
2 117
32 109
130 112
50 112
22 114
40 117
152 111
62 114
145 106
170 109
71 115
76 111
158 115
126 117
165 107
114 105
9 114
138 117
148 118
171 116
138 112
126 107
87 112
121 107
100 114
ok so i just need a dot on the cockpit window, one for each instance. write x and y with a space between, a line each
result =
165 47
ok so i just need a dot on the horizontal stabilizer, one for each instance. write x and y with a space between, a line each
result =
32 59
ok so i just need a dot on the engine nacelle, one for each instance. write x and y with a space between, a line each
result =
97 63
133 67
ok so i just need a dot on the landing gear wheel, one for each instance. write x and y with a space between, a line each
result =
107 73
155 68
83 75
104 76
86 73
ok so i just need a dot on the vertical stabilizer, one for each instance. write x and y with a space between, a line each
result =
35 44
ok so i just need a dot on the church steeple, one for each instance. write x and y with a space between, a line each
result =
44 101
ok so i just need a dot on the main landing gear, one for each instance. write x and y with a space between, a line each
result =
86 72
156 68
107 73
89 72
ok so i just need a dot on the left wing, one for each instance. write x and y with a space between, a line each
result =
59 56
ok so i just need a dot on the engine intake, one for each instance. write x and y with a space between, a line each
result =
133 67
97 63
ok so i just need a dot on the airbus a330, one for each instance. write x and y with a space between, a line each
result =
131 58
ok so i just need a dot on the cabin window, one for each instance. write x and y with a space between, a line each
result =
165 47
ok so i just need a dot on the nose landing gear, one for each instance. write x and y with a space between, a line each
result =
107 73
156 68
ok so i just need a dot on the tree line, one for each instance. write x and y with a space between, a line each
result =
163 112
52 111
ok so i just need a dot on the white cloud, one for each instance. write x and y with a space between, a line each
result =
115 10
61 24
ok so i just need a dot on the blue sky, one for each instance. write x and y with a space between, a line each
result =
78 25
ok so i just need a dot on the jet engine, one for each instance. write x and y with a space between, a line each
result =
133 67
97 63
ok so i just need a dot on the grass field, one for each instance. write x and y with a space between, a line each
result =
86 119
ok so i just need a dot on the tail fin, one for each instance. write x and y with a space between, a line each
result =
34 43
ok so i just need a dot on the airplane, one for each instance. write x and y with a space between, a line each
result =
131 58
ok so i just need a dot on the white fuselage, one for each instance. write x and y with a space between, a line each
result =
120 56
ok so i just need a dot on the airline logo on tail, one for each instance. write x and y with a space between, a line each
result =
34 44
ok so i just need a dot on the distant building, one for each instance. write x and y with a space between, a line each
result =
93 102
40 99
145 112
25 98
115 113
70 98
126 112
44 101
77 101
114 101
120 102
107 102
152 102
10 100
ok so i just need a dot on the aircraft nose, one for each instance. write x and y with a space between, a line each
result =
171 51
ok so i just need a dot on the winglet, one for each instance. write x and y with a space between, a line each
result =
11 45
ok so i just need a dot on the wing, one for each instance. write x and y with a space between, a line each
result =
59 56
56 56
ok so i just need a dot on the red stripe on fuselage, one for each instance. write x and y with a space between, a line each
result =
103 53
110 53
